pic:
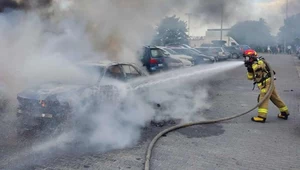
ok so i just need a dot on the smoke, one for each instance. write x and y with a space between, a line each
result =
30 55
211 11
42 46
292 8
274 12
182 95
69 31
208 14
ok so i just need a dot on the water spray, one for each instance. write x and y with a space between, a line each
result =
196 71
156 138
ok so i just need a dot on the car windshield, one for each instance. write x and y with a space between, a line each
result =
171 51
202 49
217 49
184 51
157 53
197 51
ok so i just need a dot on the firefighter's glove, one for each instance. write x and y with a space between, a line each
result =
250 69
247 64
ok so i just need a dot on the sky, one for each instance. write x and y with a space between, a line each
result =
272 11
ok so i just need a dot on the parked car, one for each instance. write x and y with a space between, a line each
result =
156 60
48 105
243 48
187 61
211 57
204 50
172 63
199 58
217 52
234 51
153 59
220 52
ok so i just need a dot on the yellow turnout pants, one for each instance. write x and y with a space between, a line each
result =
263 108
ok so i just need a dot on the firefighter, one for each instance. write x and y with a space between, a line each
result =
258 71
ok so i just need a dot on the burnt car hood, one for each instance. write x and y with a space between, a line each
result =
44 91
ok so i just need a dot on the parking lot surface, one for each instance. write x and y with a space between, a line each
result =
237 144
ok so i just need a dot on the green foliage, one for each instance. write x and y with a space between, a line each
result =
255 33
290 29
171 30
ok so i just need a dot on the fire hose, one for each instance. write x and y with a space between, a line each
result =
156 138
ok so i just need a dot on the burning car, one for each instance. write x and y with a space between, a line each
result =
49 104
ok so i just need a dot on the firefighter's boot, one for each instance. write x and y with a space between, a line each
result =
283 115
258 119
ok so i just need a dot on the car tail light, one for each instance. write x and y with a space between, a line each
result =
153 61
43 103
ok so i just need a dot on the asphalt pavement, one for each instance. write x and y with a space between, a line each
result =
237 144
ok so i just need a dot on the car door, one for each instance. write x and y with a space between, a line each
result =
115 72
130 72
108 92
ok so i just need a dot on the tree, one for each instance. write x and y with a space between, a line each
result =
253 33
171 30
290 30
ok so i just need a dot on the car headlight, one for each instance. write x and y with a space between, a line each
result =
47 115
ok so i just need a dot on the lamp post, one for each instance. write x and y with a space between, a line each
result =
189 23
222 15
285 32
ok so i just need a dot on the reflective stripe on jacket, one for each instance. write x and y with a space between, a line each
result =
259 71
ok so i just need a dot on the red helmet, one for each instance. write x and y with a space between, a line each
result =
250 53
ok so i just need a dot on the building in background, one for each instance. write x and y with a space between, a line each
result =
212 35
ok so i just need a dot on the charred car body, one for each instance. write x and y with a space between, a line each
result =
48 105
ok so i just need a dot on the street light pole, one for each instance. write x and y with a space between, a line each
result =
285 32
222 13
189 23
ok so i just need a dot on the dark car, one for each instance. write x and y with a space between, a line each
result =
209 52
48 105
218 52
234 51
204 50
211 57
153 59
199 58
243 48
156 60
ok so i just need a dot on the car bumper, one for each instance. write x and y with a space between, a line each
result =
222 57
175 65
30 121
156 68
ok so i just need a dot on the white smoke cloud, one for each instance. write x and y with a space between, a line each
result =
40 47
